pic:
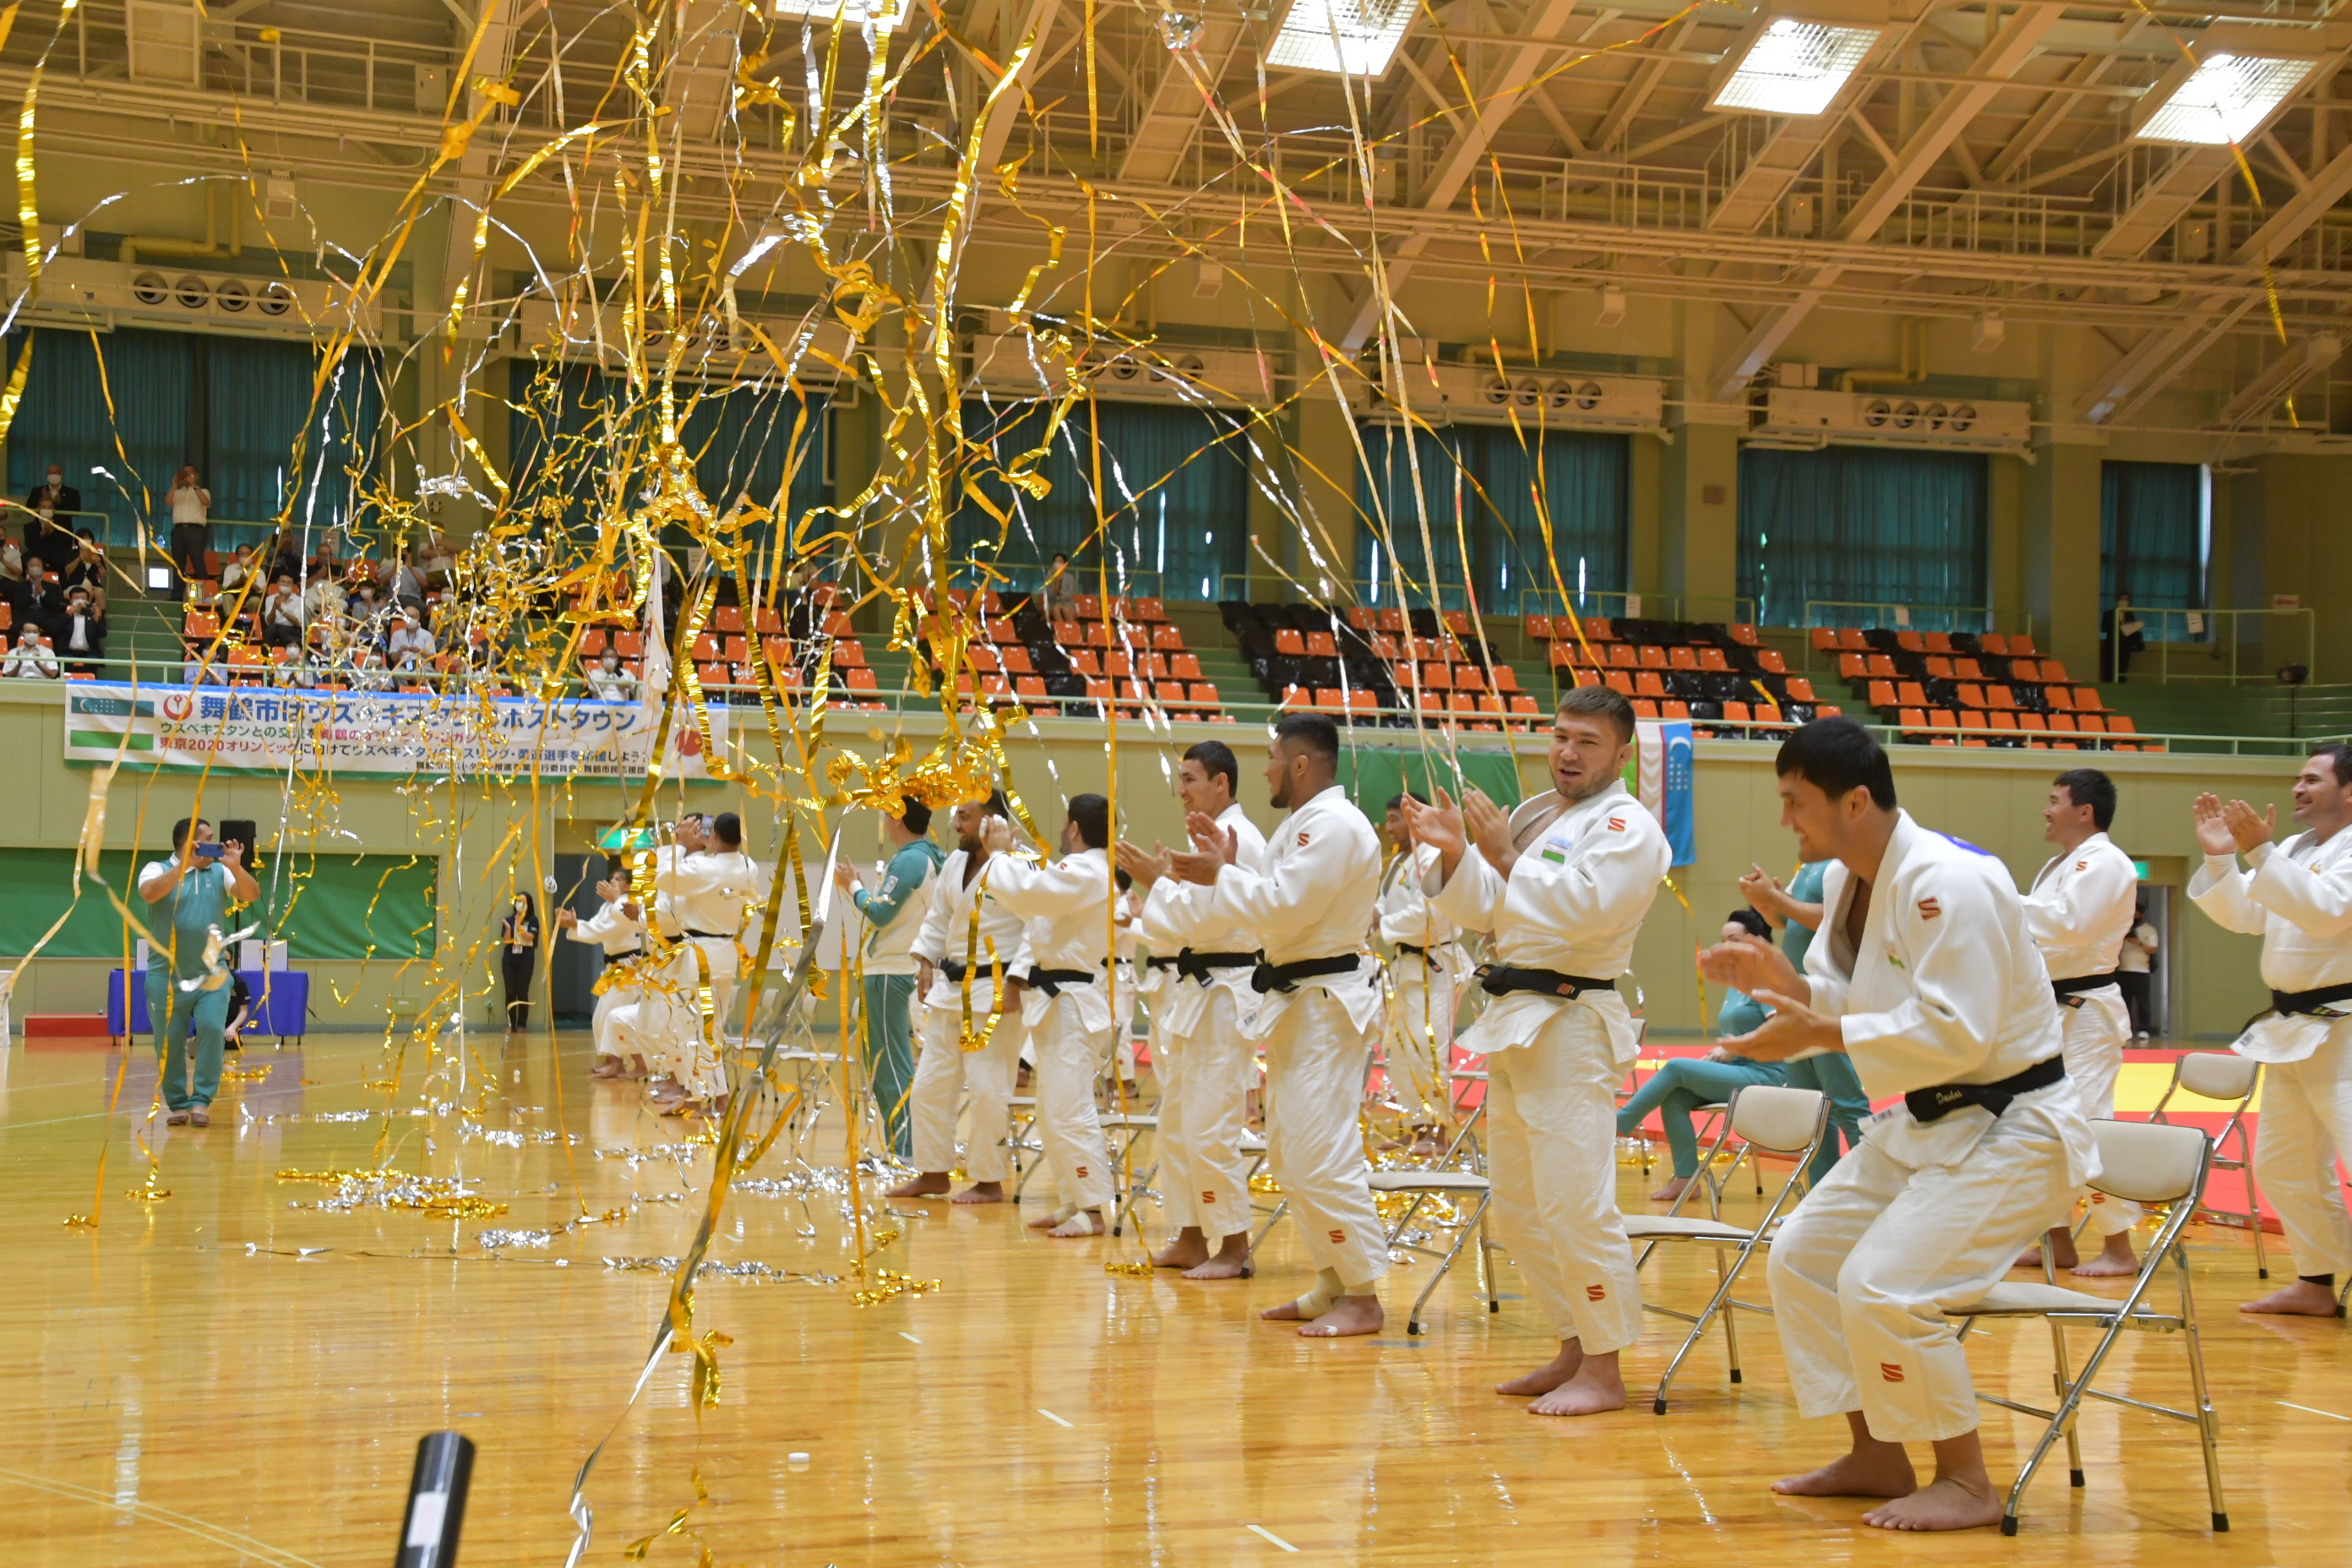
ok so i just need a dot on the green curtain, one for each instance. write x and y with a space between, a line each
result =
1862 523
340 908
258 401
1372 775
1175 499
63 420
2152 540
1487 486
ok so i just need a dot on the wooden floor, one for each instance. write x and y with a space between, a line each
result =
233 1375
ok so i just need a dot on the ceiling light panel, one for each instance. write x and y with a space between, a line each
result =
1346 38
2226 98
854 14
1795 67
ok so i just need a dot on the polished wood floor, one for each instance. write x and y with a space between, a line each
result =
232 1374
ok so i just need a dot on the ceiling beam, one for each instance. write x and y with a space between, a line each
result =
1035 22
2163 202
1498 99
2045 119
1635 95
1172 113
2297 213
493 59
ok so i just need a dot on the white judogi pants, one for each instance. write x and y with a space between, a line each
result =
942 1072
2095 1035
600 1024
1069 1057
1205 1084
1420 1034
2307 1118
1859 1268
666 1026
1551 1117
1315 1058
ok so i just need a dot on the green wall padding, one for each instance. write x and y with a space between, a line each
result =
1372 775
321 907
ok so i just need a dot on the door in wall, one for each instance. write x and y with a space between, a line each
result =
573 966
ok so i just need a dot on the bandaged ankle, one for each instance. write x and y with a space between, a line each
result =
1323 1297
1062 1213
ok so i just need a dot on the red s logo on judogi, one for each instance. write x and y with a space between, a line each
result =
1890 1370
1930 909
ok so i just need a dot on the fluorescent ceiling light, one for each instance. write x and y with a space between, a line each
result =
2225 99
1795 67
1347 38
854 14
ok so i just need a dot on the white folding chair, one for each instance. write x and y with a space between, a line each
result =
1122 1132
1021 1114
1766 1118
2225 1076
2146 1162
1457 1185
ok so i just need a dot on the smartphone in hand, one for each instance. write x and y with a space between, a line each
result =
211 851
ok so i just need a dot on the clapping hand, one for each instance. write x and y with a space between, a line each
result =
1762 891
1490 828
2248 831
1792 1030
1146 868
1213 850
567 917
1751 965
2213 832
844 877
1441 827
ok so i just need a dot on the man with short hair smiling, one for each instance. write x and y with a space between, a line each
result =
1563 884
1311 908
1201 966
1924 972
2297 896
2079 909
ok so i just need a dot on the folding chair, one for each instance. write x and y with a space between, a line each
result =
2225 1076
1765 1117
2146 1162
1456 1185
1122 1132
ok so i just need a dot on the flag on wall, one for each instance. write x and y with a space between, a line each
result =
1663 751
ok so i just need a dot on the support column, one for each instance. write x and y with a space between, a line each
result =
2059 537
1644 509
2005 537
1698 532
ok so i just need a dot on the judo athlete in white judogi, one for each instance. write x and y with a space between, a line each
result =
1924 974
1425 977
1563 884
2079 912
968 955
1066 905
2297 896
617 934
1320 999
1197 984
647 1027
708 891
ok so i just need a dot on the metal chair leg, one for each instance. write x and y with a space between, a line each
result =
2208 1421
1486 1263
1271 1220
1462 1233
1730 1320
1715 1303
2059 1380
1135 1190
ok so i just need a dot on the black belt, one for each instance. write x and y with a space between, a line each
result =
712 935
1934 1104
955 969
1503 979
1285 977
614 958
1426 954
2070 991
1199 966
1051 980
2309 1003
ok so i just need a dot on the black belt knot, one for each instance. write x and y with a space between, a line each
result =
1504 980
1051 981
1936 1103
712 935
2070 991
1199 966
612 958
1285 977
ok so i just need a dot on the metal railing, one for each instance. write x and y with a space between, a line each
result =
2216 640
1734 608
1889 613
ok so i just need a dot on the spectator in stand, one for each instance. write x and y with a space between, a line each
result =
2135 970
192 506
1061 594
366 614
326 564
88 566
202 667
608 681
281 615
439 557
12 576
79 634
408 582
368 672
49 538
55 493
411 645
322 600
29 661
234 574
2121 635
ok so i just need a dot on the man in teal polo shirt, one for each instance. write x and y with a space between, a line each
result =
189 896
894 914
1797 907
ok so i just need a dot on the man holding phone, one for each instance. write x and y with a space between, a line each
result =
193 890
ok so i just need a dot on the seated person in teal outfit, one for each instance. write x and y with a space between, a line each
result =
1798 908
1686 1083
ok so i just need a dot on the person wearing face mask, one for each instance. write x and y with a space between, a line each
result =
410 646
191 530
12 576
608 681
50 535
79 633
30 660
518 957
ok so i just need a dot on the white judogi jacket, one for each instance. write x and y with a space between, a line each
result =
1065 906
947 936
1574 902
2082 905
611 929
709 892
1405 913
1178 915
1945 986
2297 896
1313 900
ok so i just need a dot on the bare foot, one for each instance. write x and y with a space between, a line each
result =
1550 1376
2115 1259
2061 1250
1673 1189
2301 1300
1944 1503
607 1066
1078 1226
980 1193
1231 1261
1884 1472
1049 1220
1597 1386
1188 1250
1349 1315
929 1184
